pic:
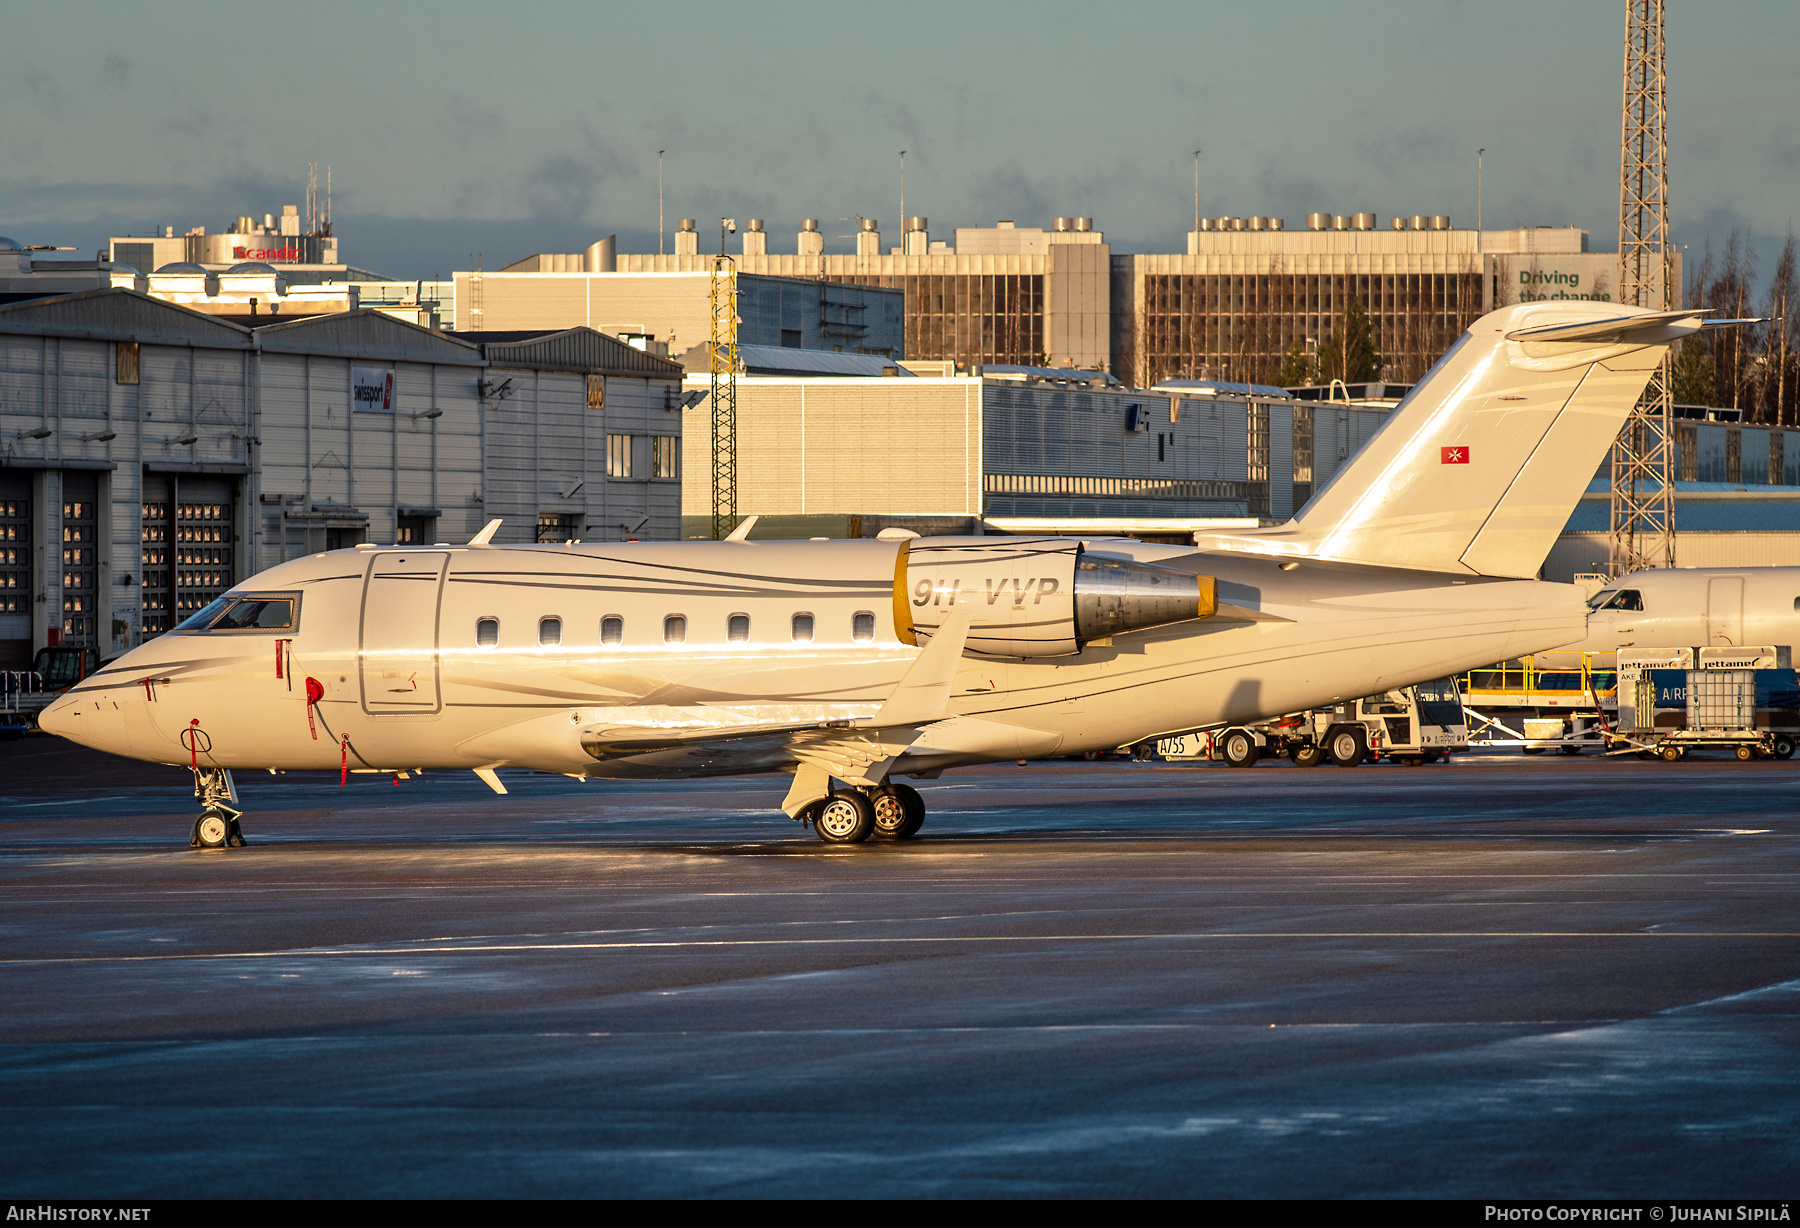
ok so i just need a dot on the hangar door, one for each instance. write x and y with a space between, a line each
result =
399 657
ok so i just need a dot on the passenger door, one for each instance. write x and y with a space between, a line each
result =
1725 611
399 658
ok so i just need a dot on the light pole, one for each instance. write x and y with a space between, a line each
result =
659 203
1196 191
1478 154
903 202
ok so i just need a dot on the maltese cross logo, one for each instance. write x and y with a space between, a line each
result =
1455 456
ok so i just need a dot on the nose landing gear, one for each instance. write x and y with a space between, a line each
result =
217 827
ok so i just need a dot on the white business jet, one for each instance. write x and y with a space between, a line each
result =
851 663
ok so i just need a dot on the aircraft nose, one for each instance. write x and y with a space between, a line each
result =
61 719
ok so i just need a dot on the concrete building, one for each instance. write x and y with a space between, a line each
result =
674 309
151 456
1245 291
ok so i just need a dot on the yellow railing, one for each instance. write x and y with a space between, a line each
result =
1563 675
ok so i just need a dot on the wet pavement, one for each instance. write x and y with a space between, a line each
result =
1496 977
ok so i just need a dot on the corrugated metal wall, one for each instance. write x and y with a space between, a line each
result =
1587 552
849 446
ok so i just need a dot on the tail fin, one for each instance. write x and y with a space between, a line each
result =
1477 470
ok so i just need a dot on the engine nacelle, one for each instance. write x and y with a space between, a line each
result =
1037 596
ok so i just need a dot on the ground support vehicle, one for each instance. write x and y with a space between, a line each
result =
25 693
22 697
1551 701
1412 725
1746 700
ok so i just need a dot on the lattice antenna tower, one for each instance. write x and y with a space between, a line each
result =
1643 457
724 348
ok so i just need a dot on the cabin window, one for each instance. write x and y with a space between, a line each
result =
675 629
737 629
862 627
1624 599
803 624
612 629
549 632
487 632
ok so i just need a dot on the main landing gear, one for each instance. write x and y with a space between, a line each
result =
217 826
893 811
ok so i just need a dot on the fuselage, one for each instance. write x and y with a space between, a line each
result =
699 658
1697 607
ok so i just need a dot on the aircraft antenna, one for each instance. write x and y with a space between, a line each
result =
724 350
1643 457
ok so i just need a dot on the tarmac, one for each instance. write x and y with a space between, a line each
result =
1497 977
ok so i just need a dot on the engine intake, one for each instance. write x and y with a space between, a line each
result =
1037 597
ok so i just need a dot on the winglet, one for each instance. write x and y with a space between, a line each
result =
487 533
924 693
488 776
742 532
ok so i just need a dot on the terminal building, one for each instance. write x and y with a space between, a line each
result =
151 456
1231 307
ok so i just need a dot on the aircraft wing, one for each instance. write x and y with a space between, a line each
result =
858 751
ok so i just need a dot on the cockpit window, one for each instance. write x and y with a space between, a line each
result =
1617 599
203 618
247 612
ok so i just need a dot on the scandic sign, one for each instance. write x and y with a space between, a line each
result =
1454 456
266 253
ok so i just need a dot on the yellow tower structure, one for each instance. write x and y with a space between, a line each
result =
724 350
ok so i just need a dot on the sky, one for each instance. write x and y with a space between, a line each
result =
455 130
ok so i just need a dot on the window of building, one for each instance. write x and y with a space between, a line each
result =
665 456
487 632
675 629
596 390
549 632
556 527
612 629
414 530
803 628
862 627
737 629
127 367
618 456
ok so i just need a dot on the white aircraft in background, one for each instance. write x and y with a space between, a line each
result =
850 663
1696 607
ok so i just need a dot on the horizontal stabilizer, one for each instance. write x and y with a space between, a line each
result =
1614 329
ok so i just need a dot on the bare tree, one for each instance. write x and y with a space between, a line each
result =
1781 336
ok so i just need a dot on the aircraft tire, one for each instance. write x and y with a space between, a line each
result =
1346 747
844 818
899 812
1311 754
212 830
1783 747
1238 749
